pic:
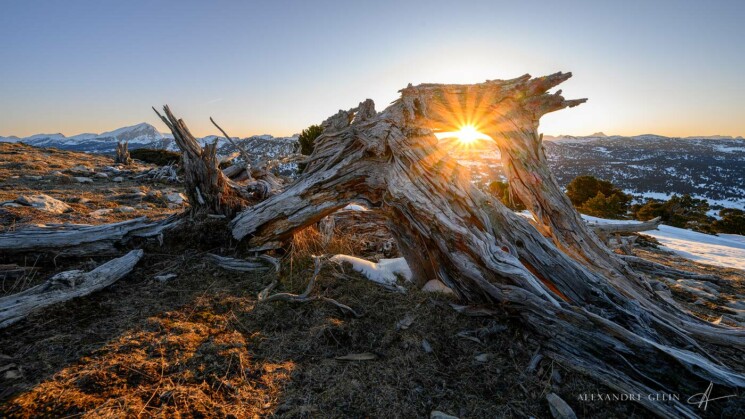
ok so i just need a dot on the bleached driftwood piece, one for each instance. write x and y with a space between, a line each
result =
167 172
81 239
261 263
612 228
233 171
65 286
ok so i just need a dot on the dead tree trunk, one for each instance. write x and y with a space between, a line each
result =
122 154
596 316
208 189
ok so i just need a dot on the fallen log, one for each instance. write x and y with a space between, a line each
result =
65 286
261 263
613 228
233 171
81 239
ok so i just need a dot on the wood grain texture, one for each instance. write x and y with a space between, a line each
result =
594 312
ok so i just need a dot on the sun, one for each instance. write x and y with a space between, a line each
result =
466 135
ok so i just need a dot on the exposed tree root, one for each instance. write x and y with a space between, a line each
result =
658 269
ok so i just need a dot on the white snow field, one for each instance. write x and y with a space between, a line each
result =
726 250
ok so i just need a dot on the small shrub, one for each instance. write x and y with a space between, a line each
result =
604 206
593 196
308 137
155 156
732 222
679 211
307 141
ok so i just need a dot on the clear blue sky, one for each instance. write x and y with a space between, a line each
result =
667 67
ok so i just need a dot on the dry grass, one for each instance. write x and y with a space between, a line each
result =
188 363
26 170
202 346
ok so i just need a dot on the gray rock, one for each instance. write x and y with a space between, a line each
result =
100 212
102 175
175 198
118 179
44 203
435 285
165 278
82 179
559 408
436 414
81 169
556 377
125 209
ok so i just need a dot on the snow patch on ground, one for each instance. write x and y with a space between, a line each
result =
728 149
641 197
726 250
355 207
384 272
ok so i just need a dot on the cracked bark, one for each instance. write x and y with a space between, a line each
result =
593 311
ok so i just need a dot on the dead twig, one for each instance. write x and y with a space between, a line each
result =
305 296
244 153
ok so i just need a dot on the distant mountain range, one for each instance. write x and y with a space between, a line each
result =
147 136
646 166
711 167
654 166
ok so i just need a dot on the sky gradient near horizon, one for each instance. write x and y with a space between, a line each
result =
666 67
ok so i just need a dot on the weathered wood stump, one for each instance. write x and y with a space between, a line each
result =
593 311
122 154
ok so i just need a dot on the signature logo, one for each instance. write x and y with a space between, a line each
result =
703 399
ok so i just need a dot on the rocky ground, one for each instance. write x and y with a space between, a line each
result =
54 186
198 343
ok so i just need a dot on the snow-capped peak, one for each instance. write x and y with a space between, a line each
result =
56 136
